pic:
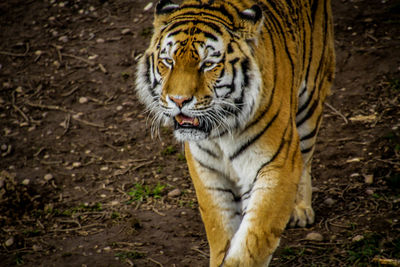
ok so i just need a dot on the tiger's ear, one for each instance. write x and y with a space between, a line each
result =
163 9
253 14
250 23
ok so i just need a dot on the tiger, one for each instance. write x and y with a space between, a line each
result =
242 84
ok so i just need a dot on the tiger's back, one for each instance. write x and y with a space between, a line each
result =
243 84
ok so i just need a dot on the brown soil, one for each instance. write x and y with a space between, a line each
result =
82 183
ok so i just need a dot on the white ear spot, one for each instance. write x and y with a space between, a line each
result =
254 13
165 6
249 13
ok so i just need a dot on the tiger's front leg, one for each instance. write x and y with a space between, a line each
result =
218 204
265 217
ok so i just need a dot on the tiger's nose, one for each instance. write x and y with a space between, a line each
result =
180 101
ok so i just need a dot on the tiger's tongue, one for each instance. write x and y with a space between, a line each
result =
182 119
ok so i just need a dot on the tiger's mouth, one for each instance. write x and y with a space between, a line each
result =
186 122
191 128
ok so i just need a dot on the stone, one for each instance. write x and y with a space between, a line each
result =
174 193
329 202
314 236
48 177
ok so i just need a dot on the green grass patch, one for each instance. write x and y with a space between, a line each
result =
130 255
181 157
80 208
362 252
289 253
169 150
141 192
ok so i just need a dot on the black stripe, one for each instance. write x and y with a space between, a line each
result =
271 99
307 150
229 48
210 35
198 18
207 151
309 113
226 190
174 33
255 138
310 135
245 67
202 164
314 131
221 9
305 104
277 152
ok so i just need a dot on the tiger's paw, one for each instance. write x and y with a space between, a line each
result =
302 215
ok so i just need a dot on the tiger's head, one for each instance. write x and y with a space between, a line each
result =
200 72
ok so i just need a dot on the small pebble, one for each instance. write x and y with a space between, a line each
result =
174 193
9 242
357 238
125 31
119 108
329 201
368 178
107 249
63 39
369 192
4 147
48 177
315 189
314 236
25 181
83 100
100 40
76 164
148 6
56 64
104 168
36 248
19 90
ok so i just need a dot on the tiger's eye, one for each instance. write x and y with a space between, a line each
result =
208 64
169 61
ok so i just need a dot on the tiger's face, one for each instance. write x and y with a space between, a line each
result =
199 76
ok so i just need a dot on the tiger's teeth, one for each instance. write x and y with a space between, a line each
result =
182 119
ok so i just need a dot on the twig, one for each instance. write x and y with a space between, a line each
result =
91 63
16 54
50 107
159 213
88 122
389 161
58 52
392 262
125 160
21 112
66 124
141 165
102 68
337 112
79 228
201 252
156 262
53 107
70 92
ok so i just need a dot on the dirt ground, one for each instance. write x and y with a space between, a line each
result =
83 183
